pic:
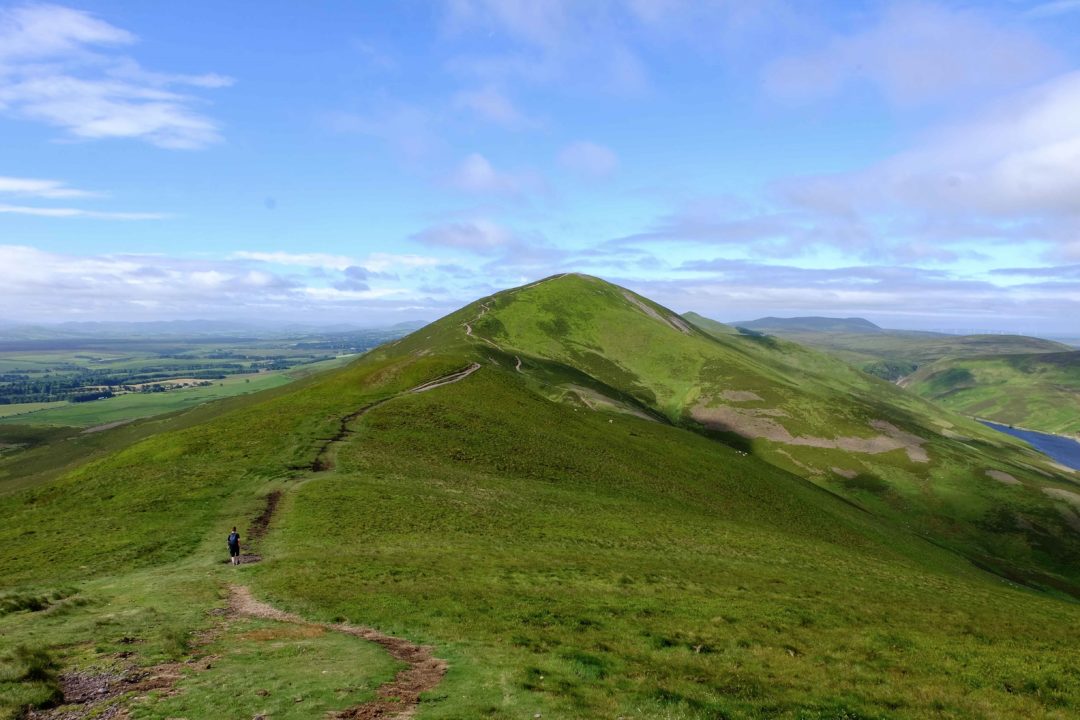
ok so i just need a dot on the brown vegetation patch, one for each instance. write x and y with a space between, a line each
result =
1067 495
740 396
752 424
1002 477
669 320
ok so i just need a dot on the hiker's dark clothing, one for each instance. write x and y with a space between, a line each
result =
234 544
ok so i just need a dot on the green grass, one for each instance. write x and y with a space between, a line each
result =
1039 392
25 408
571 562
139 405
274 669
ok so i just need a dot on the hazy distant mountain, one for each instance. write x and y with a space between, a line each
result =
181 329
809 324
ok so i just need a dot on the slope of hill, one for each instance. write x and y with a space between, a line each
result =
894 354
533 486
1036 391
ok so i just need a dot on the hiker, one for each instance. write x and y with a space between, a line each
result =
234 547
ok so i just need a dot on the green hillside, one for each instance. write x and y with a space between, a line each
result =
894 354
1036 391
587 506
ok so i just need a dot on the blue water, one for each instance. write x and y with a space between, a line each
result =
1062 449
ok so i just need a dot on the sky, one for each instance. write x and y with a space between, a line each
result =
914 163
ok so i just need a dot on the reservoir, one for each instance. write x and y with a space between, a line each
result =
1065 450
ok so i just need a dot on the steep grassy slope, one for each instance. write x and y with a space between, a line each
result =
597 556
893 354
1036 391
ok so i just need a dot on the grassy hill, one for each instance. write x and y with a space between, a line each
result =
1036 391
602 510
894 354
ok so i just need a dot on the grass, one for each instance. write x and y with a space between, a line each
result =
139 405
1039 392
565 561
7 411
277 670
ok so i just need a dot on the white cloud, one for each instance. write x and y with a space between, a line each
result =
491 105
311 260
479 235
917 52
1018 159
375 262
476 174
58 66
55 212
555 41
47 286
589 159
49 189
381 262
406 128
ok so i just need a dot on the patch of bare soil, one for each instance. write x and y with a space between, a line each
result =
262 523
103 695
740 396
396 699
849 474
669 320
1002 477
1067 495
106 426
447 379
754 423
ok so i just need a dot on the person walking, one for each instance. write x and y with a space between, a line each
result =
234 547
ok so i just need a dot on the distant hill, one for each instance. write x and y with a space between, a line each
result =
1034 391
809 324
893 354
181 329
713 326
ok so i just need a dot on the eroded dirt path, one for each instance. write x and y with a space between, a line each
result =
398 698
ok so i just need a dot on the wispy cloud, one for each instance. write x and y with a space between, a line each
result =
589 159
49 286
48 189
308 260
476 174
59 66
916 52
64 212
1053 9
406 128
492 105
479 235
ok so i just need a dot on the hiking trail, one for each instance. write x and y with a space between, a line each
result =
324 461
398 698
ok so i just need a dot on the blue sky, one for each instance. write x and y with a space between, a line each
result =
916 163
